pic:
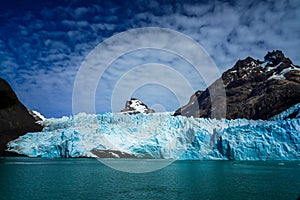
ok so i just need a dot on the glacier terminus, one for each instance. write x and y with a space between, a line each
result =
163 136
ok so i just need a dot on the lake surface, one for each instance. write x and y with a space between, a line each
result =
38 178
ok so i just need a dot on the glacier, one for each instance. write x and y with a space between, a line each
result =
163 136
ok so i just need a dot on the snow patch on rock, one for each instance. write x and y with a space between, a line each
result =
135 106
37 116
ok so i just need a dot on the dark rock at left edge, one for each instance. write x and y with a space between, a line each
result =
15 119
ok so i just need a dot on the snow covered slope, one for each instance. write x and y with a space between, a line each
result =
36 115
135 106
160 135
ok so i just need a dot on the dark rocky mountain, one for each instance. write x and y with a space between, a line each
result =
135 106
15 119
254 89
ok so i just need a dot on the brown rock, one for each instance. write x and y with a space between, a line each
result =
254 89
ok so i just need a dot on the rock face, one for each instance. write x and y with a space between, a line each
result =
135 106
111 154
15 120
254 89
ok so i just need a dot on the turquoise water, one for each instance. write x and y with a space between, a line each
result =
37 178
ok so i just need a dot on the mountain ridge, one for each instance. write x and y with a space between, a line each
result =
254 89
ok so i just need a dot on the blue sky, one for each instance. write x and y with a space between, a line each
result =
42 43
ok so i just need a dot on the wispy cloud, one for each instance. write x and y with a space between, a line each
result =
43 45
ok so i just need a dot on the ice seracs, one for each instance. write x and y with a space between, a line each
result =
160 135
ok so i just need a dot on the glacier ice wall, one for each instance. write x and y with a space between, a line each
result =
160 135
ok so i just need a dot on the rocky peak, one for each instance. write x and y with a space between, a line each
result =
135 106
277 66
246 69
274 66
254 89
275 57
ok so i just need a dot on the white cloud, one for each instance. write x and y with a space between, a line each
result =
41 50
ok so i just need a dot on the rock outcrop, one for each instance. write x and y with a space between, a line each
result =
254 89
36 115
15 119
135 106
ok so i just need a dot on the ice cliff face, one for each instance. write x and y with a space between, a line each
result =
160 135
